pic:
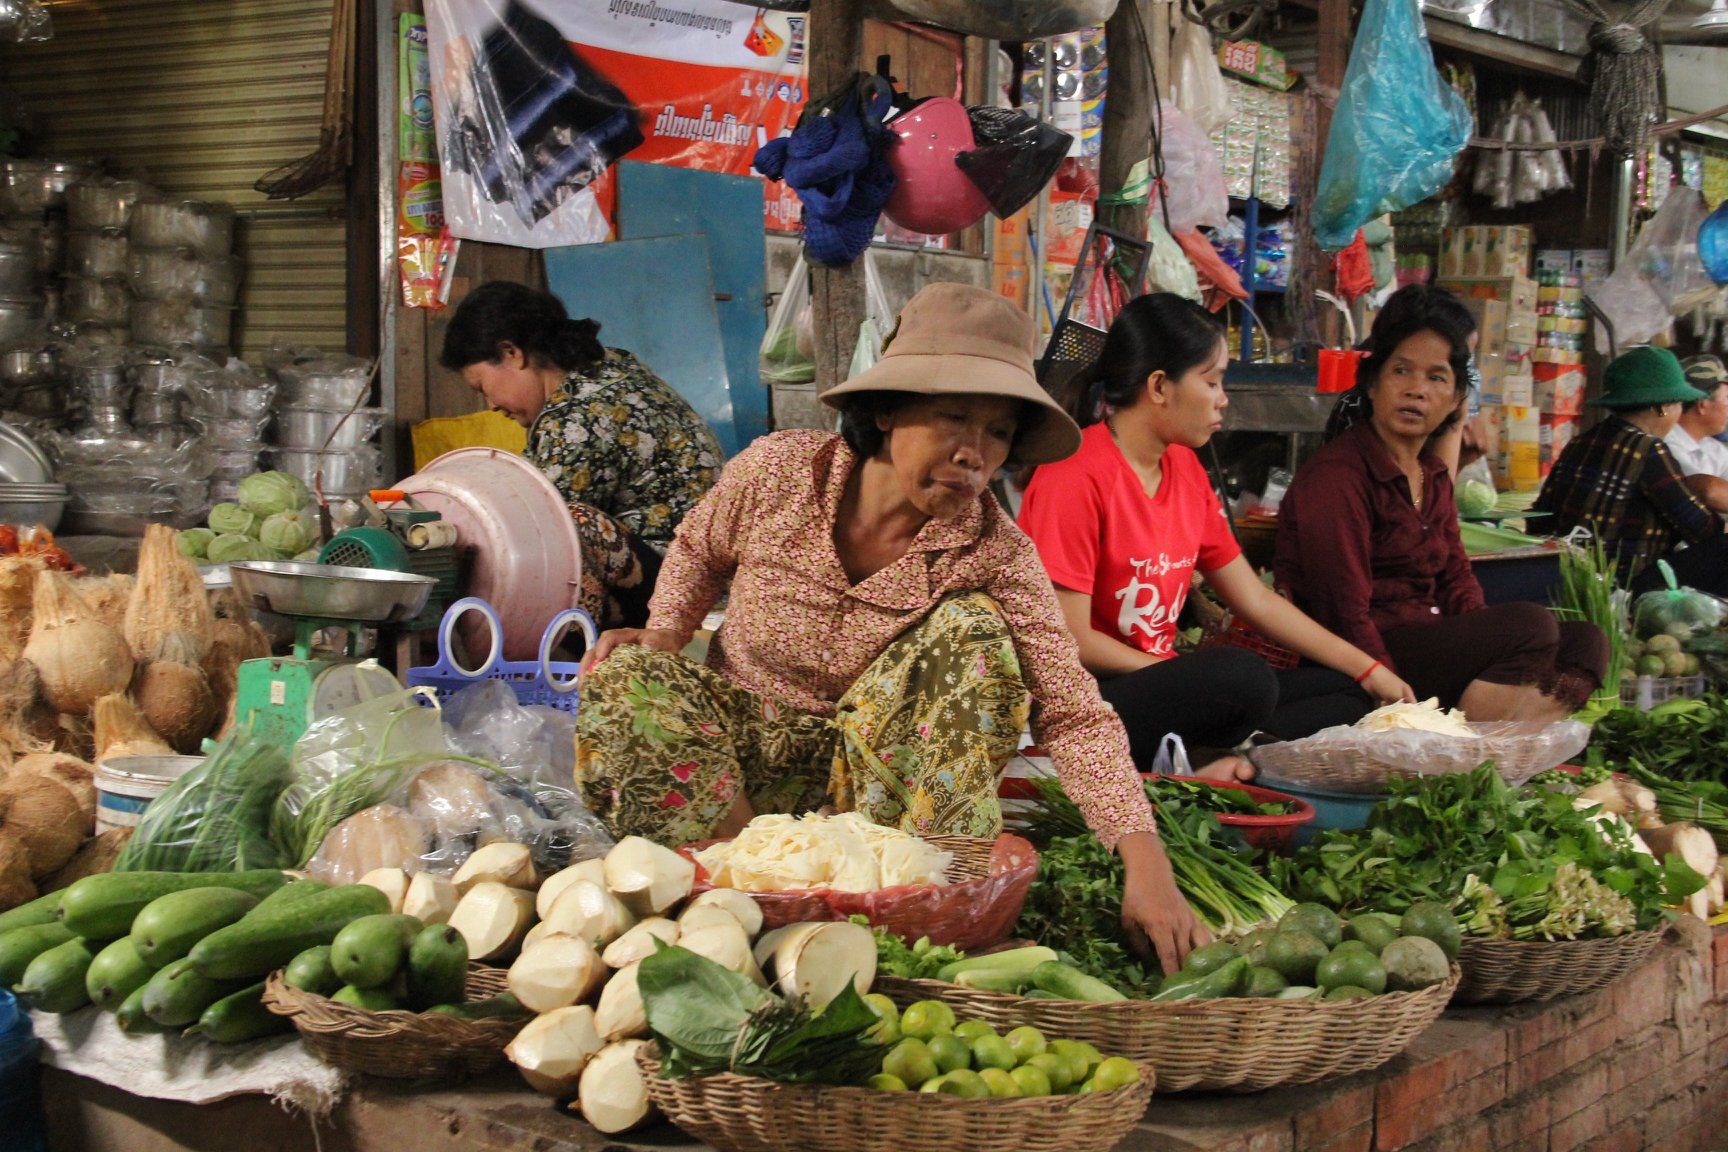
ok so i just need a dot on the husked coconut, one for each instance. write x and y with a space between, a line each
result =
639 942
620 1014
501 862
613 1094
174 695
744 909
16 886
17 596
820 963
44 816
589 913
593 871
96 857
492 918
107 597
648 877
556 972
726 945
393 882
553 1048
121 730
20 694
74 774
79 658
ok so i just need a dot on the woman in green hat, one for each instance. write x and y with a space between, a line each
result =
1620 481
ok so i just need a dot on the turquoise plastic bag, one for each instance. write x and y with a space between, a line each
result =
1397 131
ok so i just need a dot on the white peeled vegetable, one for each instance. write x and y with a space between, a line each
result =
589 912
619 1015
746 911
430 899
502 863
638 943
539 932
697 916
647 877
819 964
393 882
614 1094
556 972
553 1048
1698 849
769 943
1605 794
727 946
593 871
492 918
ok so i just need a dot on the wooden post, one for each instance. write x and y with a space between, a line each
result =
1334 59
836 294
1138 38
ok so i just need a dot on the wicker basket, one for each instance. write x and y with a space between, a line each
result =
1515 971
1235 1045
1350 760
1235 633
749 1114
399 1045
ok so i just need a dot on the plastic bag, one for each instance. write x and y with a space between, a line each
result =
1398 128
1666 253
1193 177
1172 758
785 353
1199 83
1354 760
1014 156
216 817
1675 611
878 322
1713 243
1169 270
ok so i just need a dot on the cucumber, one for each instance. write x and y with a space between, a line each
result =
289 893
132 1018
177 995
371 999
311 972
991 980
42 910
1013 960
1073 984
241 1017
169 925
371 951
263 942
502 1006
116 973
22 945
103 907
54 981
437 967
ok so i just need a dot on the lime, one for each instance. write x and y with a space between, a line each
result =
1434 922
885 1032
911 1062
1031 1081
934 1084
1265 982
1412 963
993 1052
1093 1056
1355 967
1056 1068
972 1030
999 1082
1349 992
1027 1042
1115 1073
1315 919
950 1052
1206 960
888 1083
964 1082
1293 955
1652 666
1079 1066
883 1007
1374 931
926 1018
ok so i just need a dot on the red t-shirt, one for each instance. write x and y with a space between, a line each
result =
1098 532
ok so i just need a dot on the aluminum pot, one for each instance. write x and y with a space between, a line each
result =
19 319
355 470
28 186
109 420
104 205
337 391
106 302
230 432
151 409
97 255
25 511
233 464
173 274
174 322
321 428
19 274
207 229
163 377
105 385
27 367
252 403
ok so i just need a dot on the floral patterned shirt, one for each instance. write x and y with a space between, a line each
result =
799 632
621 440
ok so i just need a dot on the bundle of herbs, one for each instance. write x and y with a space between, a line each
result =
1589 592
1511 863
1677 739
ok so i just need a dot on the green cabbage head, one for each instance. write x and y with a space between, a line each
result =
195 542
268 493
233 520
287 533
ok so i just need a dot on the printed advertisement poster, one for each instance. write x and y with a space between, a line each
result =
535 102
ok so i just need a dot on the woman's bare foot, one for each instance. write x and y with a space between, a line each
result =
1228 768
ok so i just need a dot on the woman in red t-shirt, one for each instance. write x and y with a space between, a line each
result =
1123 525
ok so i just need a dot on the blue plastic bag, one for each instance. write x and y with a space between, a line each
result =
1397 131
1713 243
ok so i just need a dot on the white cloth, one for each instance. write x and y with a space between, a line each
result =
170 1067
1708 457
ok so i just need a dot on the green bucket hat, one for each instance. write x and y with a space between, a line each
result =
1643 377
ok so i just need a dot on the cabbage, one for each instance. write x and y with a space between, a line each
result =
287 533
233 520
232 546
268 493
195 542
310 556
1476 498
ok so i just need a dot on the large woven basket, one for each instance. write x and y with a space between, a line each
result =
399 1045
1351 760
978 907
1515 971
1234 1045
748 1114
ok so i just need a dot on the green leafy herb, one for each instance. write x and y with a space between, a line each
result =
920 961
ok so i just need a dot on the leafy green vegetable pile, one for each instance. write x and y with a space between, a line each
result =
1518 863
1677 739
919 961
1222 801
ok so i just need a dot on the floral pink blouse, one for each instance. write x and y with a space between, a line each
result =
800 632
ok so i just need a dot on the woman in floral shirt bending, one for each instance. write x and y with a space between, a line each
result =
629 454
889 633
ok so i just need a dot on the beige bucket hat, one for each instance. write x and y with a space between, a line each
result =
954 339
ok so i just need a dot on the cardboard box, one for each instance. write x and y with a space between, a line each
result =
1524 464
1518 293
1592 265
1011 245
1554 260
1012 282
1557 432
1480 250
1258 62
1560 393
1518 390
1520 424
1492 317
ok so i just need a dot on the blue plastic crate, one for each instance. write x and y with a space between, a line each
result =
544 681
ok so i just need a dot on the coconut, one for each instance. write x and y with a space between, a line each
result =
96 857
44 816
78 657
20 688
121 730
17 594
174 695
168 597
74 774
107 597
16 887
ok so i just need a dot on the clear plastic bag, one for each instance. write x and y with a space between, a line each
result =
1355 760
1199 82
1666 253
878 322
1398 128
1676 611
1193 177
1168 269
215 817
785 353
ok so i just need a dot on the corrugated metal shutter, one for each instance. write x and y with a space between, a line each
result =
202 99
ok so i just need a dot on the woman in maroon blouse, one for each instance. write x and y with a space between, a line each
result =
1368 545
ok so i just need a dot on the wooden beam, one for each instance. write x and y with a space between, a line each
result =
836 294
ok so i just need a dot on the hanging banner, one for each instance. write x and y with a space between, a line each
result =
534 104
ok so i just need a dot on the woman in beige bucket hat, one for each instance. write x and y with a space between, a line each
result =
889 629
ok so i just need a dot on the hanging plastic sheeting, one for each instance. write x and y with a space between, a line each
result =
1199 85
1397 131
1661 275
1193 181
1713 243
1014 157
1522 176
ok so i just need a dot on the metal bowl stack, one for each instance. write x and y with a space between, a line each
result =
97 295
33 242
230 407
28 493
323 435
183 275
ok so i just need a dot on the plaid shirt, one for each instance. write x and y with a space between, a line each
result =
1625 487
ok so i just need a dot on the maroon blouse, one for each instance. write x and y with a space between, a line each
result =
1357 555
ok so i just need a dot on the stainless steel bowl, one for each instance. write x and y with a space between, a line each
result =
251 403
173 274
318 428
42 504
19 275
22 461
367 595
230 433
27 367
34 186
19 319
104 205
207 229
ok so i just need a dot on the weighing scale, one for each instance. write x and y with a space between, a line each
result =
410 539
281 696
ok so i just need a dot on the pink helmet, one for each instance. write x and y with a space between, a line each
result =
931 194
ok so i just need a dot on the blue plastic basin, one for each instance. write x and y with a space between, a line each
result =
1345 810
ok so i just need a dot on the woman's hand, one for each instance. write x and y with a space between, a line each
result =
1384 685
660 639
1154 913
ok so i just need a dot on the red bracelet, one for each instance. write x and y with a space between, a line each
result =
1369 672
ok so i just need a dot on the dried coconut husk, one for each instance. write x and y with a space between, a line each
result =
108 597
44 816
169 596
79 657
77 776
17 595
20 689
96 857
16 887
121 730
174 695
